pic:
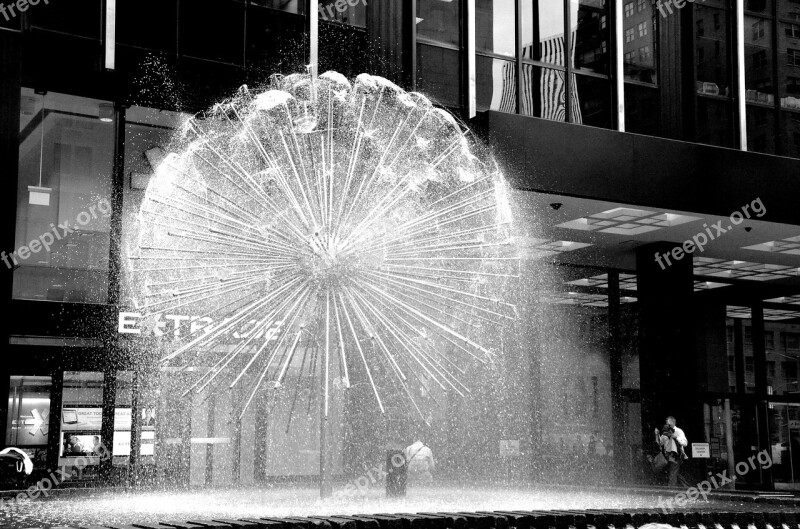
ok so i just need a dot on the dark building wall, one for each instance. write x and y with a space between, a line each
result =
567 159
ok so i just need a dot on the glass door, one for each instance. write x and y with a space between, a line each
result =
29 419
785 445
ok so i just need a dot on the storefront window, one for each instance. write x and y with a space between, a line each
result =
81 424
66 153
122 418
29 416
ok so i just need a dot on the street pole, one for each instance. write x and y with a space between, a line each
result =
325 488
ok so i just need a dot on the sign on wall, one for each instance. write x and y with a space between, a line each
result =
701 450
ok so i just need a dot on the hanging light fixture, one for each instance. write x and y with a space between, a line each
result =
39 195
106 112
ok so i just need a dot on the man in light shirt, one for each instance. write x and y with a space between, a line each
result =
672 441
680 437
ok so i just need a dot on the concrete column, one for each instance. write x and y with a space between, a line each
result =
667 338
621 462
760 368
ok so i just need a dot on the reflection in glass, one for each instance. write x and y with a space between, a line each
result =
67 148
758 61
593 101
590 33
760 129
495 25
28 411
642 112
790 133
543 94
712 52
82 18
290 6
160 34
147 135
496 85
788 10
714 122
438 74
344 13
639 44
789 64
226 46
438 21
543 24
758 6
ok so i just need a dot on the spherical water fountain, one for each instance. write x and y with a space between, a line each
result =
346 232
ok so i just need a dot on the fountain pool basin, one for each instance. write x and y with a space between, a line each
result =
107 507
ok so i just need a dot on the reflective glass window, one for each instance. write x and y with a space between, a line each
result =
28 413
543 31
73 18
714 122
788 10
351 12
495 26
590 33
758 6
439 22
712 52
642 104
758 52
496 84
290 6
66 153
712 58
226 46
591 101
439 74
543 93
161 34
639 45
790 133
760 129
148 133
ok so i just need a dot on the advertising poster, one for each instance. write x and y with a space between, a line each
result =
81 419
